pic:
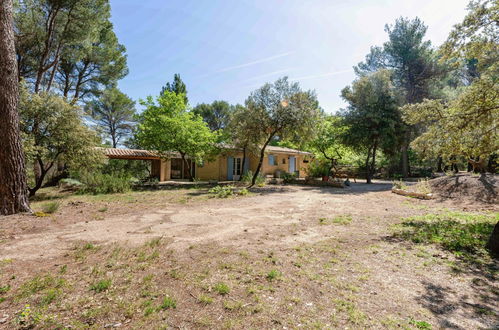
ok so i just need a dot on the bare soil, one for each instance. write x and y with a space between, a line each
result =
467 188
292 256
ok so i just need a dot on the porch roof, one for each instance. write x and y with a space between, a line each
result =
122 153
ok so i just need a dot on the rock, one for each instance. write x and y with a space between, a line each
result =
4 318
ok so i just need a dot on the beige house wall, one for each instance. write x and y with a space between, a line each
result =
216 169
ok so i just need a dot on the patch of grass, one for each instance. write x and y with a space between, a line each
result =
339 220
26 318
221 288
4 289
354 314
41 214
101 286
102 209
50 296
273 275
233 305
205 299
222 191
50 207
243 192
39 284
167 303
423 325
462 233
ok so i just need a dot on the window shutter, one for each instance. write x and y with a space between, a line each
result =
230 168
271 159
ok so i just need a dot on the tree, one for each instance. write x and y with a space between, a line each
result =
178 87
13 192
54 133
166 126
243 132
328 142
217 114
113 112
68 45
372 117
414 67
280 109
465 122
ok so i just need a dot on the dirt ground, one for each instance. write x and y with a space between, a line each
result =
287 265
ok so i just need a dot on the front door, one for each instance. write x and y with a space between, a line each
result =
292 164
237 168
176 168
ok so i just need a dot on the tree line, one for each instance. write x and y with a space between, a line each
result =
410 104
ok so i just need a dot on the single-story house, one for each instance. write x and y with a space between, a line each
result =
227 166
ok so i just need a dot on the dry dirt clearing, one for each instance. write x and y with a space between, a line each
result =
281 257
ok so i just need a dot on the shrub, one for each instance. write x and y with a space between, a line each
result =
69 183
399 184
248 176
288 177
243 192
98 183
222 288
168 302
50 207
317 169
273 274
222 191
102 285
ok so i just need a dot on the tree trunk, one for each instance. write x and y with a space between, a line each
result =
244 161
186 163
13 190
260 162
368 176
493 244
439 164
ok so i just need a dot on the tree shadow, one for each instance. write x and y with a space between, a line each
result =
466 240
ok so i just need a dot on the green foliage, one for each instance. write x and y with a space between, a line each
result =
459 232
248 176
69 183
178 87
221 288
339 220
135 169
423 325
27 318
50 207
53 132
280 109
288 177
273 275
168 303
222 191
243 192
167 126
99 183
217 114
204 299
464 122
101 286
372 117
317 169
113 113
68 45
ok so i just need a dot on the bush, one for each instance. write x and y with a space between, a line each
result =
222 191
98 183
248 176
69 183
317 169
288 177
50 207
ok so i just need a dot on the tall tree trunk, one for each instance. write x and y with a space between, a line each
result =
13 190
439 164
260 162
244 161
189 169
368 176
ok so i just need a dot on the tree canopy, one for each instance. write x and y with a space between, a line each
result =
177 86
217 114
166 126
113 113
280 109
372 117
68 46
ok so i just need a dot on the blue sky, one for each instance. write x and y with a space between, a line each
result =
225 49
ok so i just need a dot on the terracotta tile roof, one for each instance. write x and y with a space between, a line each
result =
136 153
286 150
